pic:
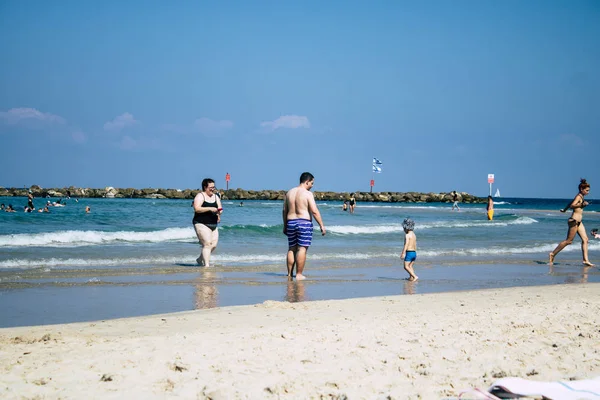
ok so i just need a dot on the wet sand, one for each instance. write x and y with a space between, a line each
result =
63 296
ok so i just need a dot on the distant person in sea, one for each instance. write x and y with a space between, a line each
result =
241 204
490 208
30 200
345 205
87 209
352 203
10 208
299 208
595 234
455 201
2 207
575 223
207 215
409 251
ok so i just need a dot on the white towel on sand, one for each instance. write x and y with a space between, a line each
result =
560 390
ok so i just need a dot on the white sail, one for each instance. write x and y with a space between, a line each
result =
497 194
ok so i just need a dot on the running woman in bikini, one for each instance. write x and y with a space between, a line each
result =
576 225
299 208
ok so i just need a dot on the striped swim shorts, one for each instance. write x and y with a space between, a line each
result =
299 232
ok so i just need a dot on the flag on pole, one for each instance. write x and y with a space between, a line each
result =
376 161
376 169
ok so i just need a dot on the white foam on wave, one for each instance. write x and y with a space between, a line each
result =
405 206
352 229
48 263
90 262
542 249
392 228
86 238
522 220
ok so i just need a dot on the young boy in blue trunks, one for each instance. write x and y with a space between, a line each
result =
409 252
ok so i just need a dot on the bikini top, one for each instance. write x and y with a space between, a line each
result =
580 205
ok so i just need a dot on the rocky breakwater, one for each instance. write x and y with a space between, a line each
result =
237 194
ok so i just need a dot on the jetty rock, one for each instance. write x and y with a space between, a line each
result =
239 194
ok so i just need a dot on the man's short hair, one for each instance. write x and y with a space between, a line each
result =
306 177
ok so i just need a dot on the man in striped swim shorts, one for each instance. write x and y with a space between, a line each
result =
299 208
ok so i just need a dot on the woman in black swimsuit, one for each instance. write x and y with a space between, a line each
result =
576 224
207 214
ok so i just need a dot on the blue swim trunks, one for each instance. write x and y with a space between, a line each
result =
411 255
299 232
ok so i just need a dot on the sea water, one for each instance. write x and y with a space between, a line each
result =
140 254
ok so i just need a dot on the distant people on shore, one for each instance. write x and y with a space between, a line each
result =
595 234
409 251
345 205
575 223
352 203
490 208
299 208
455 201
207 215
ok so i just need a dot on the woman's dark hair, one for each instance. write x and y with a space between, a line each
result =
206 182
583 184
489 197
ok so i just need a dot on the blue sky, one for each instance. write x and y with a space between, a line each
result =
162 94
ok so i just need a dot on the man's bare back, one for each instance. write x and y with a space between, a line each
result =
298 202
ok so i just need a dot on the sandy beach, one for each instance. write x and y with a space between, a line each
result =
420 346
